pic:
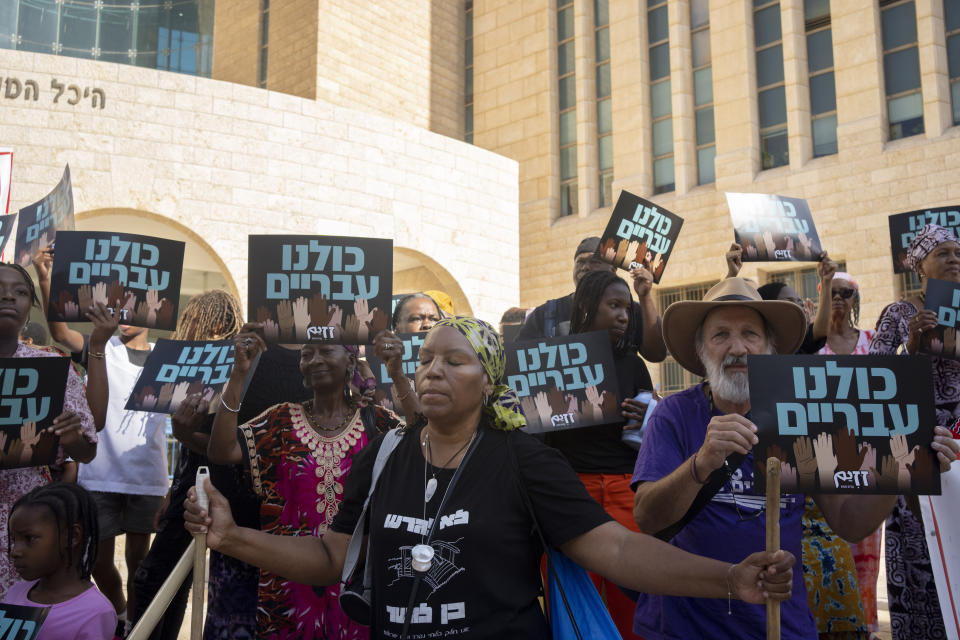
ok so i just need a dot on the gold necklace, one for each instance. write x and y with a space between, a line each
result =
312 420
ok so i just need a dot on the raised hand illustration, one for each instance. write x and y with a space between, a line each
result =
166 394
153 305
806 462
543 408
85 297
848 457
100 293
301 317
826 460
285 320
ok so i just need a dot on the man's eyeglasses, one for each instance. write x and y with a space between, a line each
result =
740 515
844 292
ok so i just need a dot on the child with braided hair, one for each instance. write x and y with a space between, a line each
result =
53 541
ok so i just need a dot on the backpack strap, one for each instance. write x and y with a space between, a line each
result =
550 318
715 482
390 441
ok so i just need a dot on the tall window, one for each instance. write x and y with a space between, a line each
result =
658 37
951 10
568 108
601 21
771 99
468 75
173 35
264 42
673 377
901 68
823 93
703 90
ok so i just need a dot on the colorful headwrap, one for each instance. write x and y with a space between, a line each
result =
503 406
443 301
925 241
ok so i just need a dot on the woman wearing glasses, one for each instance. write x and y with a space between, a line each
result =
845 338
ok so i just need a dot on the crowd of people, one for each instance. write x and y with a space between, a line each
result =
316 520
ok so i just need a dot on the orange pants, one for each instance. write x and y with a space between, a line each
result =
613 493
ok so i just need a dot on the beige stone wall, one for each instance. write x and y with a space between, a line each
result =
292 47
850 193
236 40
223 160
402 58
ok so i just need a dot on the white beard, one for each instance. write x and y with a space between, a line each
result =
732 387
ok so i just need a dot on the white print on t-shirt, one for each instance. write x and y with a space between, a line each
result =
423 614
420 527
746 502
443 568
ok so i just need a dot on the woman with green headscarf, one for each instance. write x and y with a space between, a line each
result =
483 579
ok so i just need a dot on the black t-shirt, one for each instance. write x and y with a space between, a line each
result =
485 578
811 346
557 314
599 449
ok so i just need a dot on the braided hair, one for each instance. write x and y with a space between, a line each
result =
211 315
71 505
586 303
34 300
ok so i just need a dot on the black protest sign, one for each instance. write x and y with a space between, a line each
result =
639 233
31 396
20 622
135 276
846 424
773 228
178 369
320 288
943 298
6 226
564 382
410 357
904 226
39 222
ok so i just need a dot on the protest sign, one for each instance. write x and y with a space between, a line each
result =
19 622
639 233
320 288
904 226
943 298
411 358
6 177
38 223
135 276
773 228
178 369
6 227
846 424
31 396
942 522
564 382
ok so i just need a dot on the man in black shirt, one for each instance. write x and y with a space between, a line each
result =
553 317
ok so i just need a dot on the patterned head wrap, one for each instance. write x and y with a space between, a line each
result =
503 406
925 241
444 302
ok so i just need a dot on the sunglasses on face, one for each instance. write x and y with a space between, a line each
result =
844 293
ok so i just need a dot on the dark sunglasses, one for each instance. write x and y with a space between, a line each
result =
844 293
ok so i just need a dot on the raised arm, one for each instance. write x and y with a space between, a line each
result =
661 503
648 565
652 349
734 257
826 268
389 348
223 446
98 387
59 331
304 559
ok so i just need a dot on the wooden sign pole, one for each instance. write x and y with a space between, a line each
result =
773 538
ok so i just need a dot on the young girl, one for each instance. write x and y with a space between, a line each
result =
53 536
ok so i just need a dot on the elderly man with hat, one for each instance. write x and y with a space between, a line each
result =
553 317
694 473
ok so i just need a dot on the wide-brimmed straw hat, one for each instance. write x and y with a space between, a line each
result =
681 320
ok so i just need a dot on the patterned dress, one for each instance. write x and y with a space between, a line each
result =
298 474
911 588
14 483
831 579
866 553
